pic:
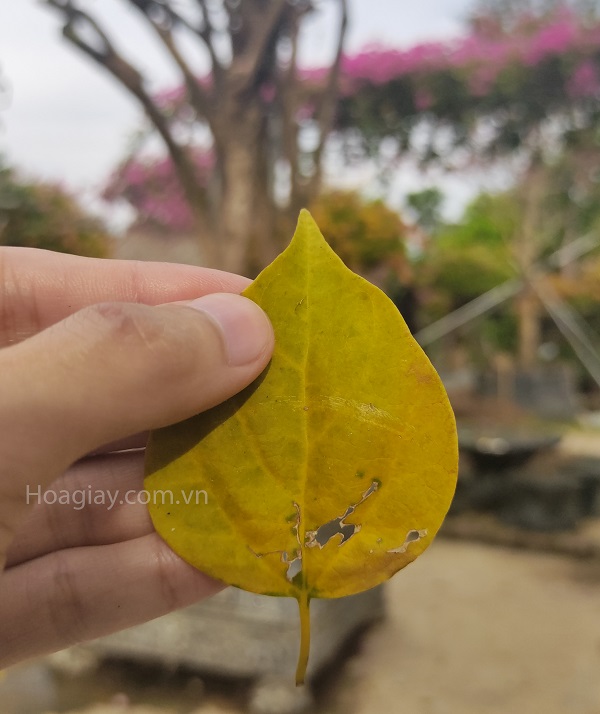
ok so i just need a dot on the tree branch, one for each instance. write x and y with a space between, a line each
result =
246 65
199 97
204 31
107 56
207 32
288 93
325 113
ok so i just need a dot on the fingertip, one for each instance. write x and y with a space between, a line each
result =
245 329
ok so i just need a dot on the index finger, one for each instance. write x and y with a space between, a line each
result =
39 287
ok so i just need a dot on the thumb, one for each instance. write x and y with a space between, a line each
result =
115 369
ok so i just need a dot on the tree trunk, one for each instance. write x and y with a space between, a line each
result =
239 150
208 240
235 211
529 318
248 229
266 233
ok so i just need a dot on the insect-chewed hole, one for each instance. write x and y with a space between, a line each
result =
294 567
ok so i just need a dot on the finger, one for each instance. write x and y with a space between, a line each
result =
84 593
39 288
96 502
118 369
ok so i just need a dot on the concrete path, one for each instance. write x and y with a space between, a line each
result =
475 629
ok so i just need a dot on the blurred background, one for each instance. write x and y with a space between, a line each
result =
450 152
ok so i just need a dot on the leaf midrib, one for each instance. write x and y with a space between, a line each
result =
306 259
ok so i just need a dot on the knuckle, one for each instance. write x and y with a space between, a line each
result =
153 339
65 606
166 571
122 322
19 313
7 533
12 504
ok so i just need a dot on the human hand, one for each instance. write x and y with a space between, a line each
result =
82 366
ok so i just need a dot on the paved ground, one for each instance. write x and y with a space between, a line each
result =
472 629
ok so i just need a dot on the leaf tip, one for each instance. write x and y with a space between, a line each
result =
308 234
306 223
305 215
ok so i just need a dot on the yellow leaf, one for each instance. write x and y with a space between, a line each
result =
335 468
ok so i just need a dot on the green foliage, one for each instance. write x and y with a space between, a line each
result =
572 196
365 234
524 68
504 235
491 221
427 206
44 215
510 14
473 256
465 273
467 259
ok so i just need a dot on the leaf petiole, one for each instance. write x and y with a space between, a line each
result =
304 609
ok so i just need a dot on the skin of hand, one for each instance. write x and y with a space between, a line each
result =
93 353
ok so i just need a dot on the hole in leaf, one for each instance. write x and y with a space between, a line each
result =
411 537
323 534
294 567
293 560
327 531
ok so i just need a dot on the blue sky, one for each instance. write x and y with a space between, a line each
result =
66 120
